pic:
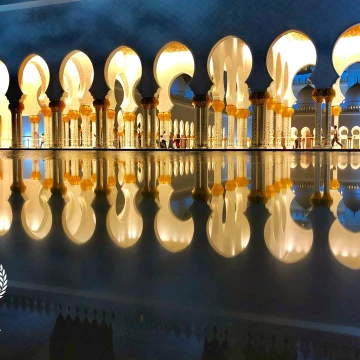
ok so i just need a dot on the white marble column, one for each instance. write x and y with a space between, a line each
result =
279 108
129 120
231 111
93 130
218 106
110 127
270 107
74 127
85 112
65 125
318 98
46 111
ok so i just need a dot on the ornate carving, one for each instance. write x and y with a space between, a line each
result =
230 185
34 119
101 104
73 114
57 106
327 200
111 114
175 47
35 175
231 110
297 36
75 180
217 190
129 178
242 181
46 111
334 184
149 102
86 184
336 110
218 105
259 98
201 101
164 179
329 95
16 108
85 110
288 112
48 183
93 117
164 116
66 118
271 104
257 197
279 108
317 95
129 116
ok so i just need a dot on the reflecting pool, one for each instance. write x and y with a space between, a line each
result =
200 255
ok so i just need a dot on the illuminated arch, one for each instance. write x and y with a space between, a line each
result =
292 50
123 65
34 78
346 52
5 125
76 78
173 60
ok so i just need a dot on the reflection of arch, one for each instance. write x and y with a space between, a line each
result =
292 50
173 60
6 215
172 233
34 77
229 239
78 217
126 228
123 65
286 240
36 216
345 53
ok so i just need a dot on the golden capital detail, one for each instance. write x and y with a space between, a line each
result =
201 101
218 105
17 107
93 117
164 116
73 114
336 110
231 110
34 119
242 113
129 116
149 102
85 110
279 108
66 118
101 104
329 95
46 111
259 98
57 106
288 112
271 104
111 114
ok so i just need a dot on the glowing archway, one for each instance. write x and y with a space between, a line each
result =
5 125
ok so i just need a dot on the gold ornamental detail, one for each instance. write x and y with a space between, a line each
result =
149 102
129 178
46 111
259 98
327 200
230 185
73 114
242 181
93 117
129 116
111 181
231 110
111 114
175 47
164 116
257 197
48 183
75 180
329 95
86 184
35 175
271 104
336 110
354 31
334 184
66 118
317 95
297 36
85 110
34 119
217 190
201 101
164 179
279 108
218 105
57 106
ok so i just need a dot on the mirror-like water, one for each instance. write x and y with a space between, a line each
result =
140 255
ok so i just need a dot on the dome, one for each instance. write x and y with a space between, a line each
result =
305 96
352 96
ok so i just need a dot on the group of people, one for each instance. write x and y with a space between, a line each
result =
164 141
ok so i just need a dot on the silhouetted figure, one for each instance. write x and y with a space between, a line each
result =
336 137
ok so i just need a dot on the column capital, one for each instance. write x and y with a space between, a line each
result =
34 119
218 105
93 117
16 107
257 197
217 190
259 98
279 108
101 104
111 114
129 116
271 104
329 95
318 96
336 110
231 110
85 110
201 101
164 116
57 106
288 112
149 102
66 118
73 114
46 111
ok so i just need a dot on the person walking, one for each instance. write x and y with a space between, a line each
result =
335 137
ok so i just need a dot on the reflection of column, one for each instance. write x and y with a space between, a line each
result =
101 106
258 101
217 189
326 199
58 186
242 118
149 138
16 124
231 111
258 194
74 127
279 108
270 107
48 181
201 190
316 196
66 120
129 120
218 106
57 126
93 130
85 112
328 95
110 128
336 110
317 95
18 176
47 126
201 104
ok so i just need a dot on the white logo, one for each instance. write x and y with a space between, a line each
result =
3 281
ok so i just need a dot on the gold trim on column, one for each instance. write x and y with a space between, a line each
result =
231 110
218 105
93 117
317 95
129 116
329 95
46 111
271 104
164 116
201 101
279 108
73 114
259 98
34 119
85 110
336 110
111 114
66 118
